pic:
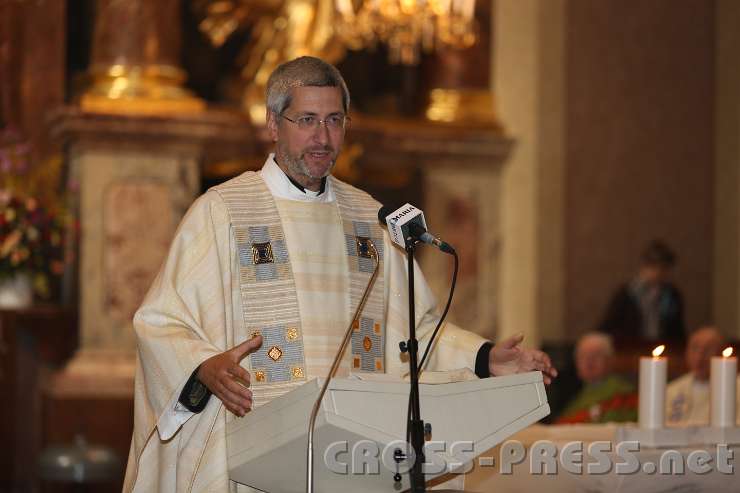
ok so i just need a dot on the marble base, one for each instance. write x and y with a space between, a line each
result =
729 435
678 437
656 438
96 374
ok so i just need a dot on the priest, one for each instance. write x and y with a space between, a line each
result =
260 283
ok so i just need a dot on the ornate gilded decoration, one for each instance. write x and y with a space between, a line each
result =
262 253
367 343
134 66
259 376
275 353
468 106
364 246
280 30
406 26
150 90
291 334
297 372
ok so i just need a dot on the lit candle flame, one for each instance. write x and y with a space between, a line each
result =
727 352
658 350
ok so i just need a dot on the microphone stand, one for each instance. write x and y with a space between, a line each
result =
373 252
415 423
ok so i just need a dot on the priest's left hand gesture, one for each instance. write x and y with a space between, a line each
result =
508 357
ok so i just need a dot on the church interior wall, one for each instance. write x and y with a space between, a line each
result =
640 148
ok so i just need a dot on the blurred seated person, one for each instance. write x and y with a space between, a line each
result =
604 396
687 397
650 307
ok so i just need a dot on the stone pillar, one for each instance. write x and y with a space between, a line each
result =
528 80
726 303
8 59
136 177
460 173
462 205
32 69
135 60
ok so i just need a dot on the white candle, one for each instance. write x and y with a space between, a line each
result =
653 376
724 371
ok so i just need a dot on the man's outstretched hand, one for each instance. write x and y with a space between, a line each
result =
227 380
508 357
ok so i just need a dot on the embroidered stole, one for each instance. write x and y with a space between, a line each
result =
269 302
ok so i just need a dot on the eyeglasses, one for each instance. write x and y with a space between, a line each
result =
331 122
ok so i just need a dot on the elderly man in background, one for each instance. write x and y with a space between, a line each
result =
687 397
604 396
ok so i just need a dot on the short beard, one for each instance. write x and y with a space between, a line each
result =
297 166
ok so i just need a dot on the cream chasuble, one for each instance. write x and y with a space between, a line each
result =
196 308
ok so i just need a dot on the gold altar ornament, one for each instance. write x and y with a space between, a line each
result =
406 26
283 30
150 90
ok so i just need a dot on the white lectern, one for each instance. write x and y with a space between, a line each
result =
267 447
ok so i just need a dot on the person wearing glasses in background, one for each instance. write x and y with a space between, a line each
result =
260 283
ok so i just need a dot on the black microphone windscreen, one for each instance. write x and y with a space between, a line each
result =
384 212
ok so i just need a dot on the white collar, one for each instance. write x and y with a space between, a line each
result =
281 187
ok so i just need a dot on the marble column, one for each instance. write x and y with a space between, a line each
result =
32 69
726 291
135 177
8 59
528 80
135 60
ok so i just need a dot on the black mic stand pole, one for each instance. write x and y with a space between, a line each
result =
415 424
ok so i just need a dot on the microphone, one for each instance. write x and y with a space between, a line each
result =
408 223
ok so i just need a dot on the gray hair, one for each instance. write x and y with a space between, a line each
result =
301 72
603 340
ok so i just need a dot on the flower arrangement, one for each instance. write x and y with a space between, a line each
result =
30 241
32 218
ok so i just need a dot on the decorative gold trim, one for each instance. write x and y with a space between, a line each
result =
275 353
364 246
262 253
473 106
291 334
135 90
